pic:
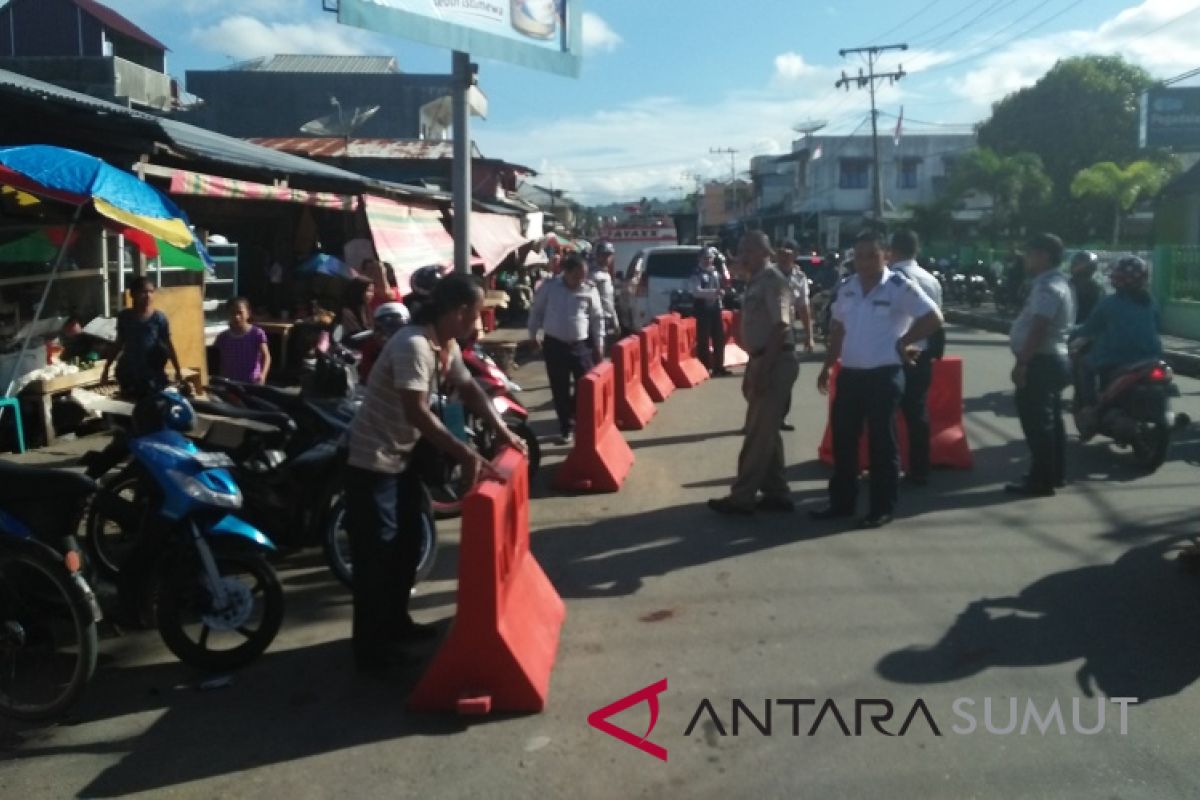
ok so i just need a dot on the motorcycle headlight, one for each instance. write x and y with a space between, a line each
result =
201 493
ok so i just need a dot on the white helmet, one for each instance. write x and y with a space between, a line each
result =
391 317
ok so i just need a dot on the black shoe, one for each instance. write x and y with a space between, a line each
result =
382 663
916 480
721 373
1026 489
725 505
781 505
872 521
787 427
829 512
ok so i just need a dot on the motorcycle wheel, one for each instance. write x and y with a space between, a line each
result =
219 639
48 643
1151 445
337 543
531 445
114 522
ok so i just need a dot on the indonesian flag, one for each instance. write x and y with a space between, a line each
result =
899 128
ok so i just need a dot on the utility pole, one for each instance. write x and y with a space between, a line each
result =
732 153
867 81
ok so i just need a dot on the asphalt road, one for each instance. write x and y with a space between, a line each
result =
968 596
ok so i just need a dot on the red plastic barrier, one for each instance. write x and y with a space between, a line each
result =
685 369
665 321
635 409
654 377
601 458
502 647
948 445
735 356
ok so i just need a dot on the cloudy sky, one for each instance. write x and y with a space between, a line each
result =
666 81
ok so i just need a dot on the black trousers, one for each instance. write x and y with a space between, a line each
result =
710 337
915 407
871 396
565 364
1039 405
383 518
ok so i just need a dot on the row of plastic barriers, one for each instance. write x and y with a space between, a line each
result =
501 649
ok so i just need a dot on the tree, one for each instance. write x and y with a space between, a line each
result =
932 221
1083 111
1121 188
1017 185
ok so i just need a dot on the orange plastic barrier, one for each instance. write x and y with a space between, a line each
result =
665 321
948 446
635 409
735 356
502 647
685 369
601 458
654 377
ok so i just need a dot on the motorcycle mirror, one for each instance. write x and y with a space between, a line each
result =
337 334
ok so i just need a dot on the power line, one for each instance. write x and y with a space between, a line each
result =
990 37
1007 42
868 81
992 9
1171 21
892 30
947 20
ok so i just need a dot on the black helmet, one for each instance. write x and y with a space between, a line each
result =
424 279
1085 262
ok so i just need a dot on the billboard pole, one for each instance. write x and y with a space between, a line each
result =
463 80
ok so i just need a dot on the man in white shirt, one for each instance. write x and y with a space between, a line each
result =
917 377
1039 341
705 288
567 307
878 317
602 278
801 306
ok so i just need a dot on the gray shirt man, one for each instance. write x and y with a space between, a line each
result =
1050 297
928 284
569 316
603 282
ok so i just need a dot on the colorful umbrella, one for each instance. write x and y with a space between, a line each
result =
78 179
324 264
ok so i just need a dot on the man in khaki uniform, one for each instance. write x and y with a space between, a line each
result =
767 336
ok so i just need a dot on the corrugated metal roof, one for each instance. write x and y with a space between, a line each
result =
111 19
207 144
337 147
346 65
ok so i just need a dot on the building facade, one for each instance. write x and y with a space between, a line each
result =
822 192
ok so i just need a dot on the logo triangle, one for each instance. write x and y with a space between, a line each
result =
599 719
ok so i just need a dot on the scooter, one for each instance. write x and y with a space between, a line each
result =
217 602
1134 410
48 611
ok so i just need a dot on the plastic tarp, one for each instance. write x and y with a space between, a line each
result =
494 236
408 237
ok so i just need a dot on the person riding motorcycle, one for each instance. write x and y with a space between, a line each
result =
422 283
1121 330
389 318
1083 282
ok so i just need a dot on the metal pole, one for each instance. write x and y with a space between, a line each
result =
462 162
878 188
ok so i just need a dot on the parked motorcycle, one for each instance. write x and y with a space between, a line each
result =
217 602
48 612
976 290
1134 410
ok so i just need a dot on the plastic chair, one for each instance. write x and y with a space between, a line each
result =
15 405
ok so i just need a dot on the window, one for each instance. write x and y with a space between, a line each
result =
854 173
907 176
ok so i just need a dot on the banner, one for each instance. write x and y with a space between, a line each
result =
540 34
408 237
1170 117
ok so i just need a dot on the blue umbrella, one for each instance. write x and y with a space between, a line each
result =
325 264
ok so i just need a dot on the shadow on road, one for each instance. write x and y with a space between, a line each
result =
1133 622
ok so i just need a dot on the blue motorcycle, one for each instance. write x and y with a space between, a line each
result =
48 612
218 603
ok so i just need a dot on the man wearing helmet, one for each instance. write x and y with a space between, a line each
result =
1083 284
1121 330
389 318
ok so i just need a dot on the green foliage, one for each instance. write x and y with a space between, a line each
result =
1017 184
1120 188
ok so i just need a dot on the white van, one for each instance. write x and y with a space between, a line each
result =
648 280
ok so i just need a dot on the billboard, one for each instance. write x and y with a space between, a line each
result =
540 34
1171 118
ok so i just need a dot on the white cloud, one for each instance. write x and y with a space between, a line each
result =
791 66
247 37
598 35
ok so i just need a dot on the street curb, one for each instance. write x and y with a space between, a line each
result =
1183 363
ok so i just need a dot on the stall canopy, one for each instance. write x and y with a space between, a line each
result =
495 236
198 184
408 237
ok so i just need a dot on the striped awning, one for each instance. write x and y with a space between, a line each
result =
408 237
197 184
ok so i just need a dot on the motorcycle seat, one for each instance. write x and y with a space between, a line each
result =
216 408
20 483
1148 363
